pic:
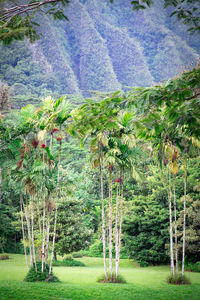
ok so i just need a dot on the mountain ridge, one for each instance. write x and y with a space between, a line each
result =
104 47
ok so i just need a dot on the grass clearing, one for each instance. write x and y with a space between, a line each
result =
80 283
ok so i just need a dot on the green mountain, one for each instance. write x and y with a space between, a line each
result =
103 47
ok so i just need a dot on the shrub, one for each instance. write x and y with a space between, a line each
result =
178 279
143 264
67 257
77 255
193 267
33 276
84 252
96 250
68 263
4 257
111 278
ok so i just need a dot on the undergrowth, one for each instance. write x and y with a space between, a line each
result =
4 257
34 276
178 279
111 278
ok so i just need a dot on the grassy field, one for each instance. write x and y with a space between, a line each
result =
80 283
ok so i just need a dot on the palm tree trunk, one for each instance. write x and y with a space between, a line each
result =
117 229
103 216
29 233
38 212
32 228
54 236
56 210
43 232
47 239
47 229
23 233
110 222
120 222
184 214
43 223
175 226
170 223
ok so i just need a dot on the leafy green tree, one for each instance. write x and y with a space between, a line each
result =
71 233
145 232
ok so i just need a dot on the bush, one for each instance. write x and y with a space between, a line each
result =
178 280
4 257
96 250
84 252
111 278
143 264
77 255
34 276
68 263
192 267
68 257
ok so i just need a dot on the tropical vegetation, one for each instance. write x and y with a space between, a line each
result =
133 189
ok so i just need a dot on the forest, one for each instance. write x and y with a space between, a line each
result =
99 191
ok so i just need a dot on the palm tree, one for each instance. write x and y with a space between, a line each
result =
155 128
97 120
61 115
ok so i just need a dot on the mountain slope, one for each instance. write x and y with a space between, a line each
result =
103 47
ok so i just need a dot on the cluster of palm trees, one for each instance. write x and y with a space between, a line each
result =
31 143
111 141
168 117
111 126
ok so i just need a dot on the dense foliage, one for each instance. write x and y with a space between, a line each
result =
143 148
72 233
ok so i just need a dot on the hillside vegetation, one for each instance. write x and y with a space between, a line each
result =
103 47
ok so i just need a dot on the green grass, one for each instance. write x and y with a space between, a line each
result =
80 283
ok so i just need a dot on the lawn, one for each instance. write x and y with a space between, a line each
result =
80 283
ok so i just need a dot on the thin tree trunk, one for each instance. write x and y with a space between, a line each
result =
117 230
170 222
175 226
103 217
47 229
184 214
54 237
23 233
32 228
29 233
110 221
56 211
120 222
38 212
43 232
43 223
47 239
